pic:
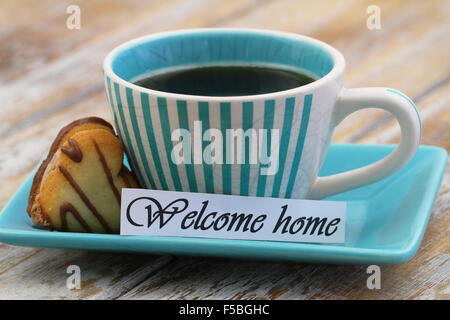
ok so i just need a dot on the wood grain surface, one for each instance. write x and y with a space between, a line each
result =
50 75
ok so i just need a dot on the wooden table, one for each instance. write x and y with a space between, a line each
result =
50 75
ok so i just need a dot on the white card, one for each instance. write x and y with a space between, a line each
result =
204 215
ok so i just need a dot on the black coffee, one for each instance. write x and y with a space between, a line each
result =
225 80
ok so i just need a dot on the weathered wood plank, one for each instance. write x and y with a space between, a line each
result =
80 70
43 273
435 116
12 256
37 35
99 46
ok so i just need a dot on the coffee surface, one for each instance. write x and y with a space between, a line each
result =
225 80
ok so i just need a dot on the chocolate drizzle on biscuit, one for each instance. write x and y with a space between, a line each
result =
85 199
73 151
69 208
107 171
55 145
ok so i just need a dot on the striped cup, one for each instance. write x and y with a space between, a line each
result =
264 145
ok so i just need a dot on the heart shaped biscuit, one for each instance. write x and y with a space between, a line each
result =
77 188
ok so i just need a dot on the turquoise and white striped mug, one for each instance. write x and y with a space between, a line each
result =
149 122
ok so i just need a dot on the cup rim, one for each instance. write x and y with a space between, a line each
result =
335 72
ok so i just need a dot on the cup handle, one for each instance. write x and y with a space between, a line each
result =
403 109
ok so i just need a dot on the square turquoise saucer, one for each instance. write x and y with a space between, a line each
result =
385 223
